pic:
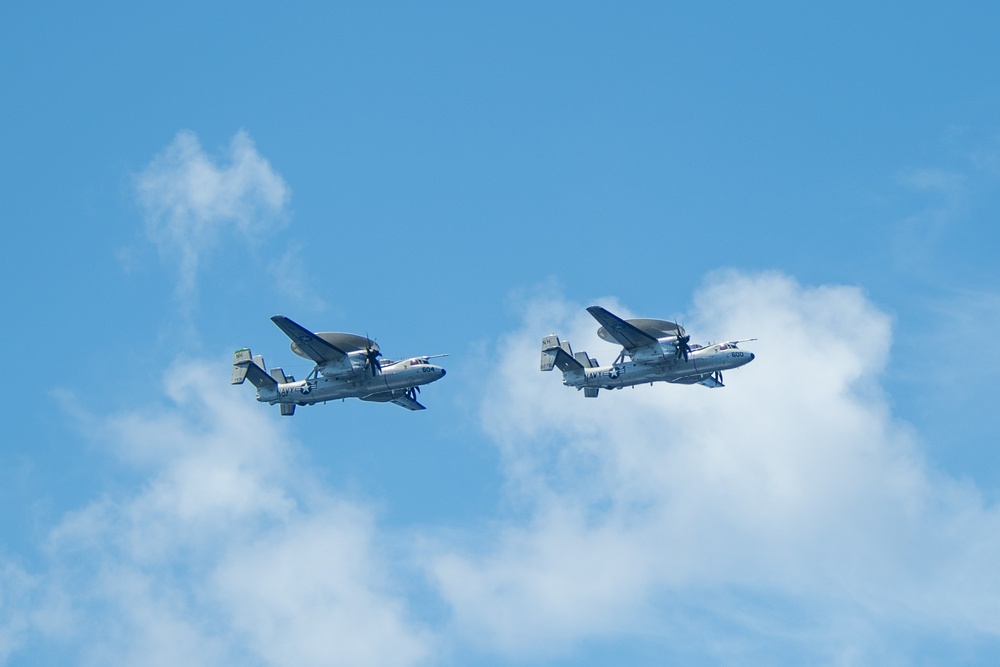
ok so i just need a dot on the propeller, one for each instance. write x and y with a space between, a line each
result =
372 355
683 347
718 376
412 392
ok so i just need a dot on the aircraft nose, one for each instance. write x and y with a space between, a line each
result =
752 357
443 372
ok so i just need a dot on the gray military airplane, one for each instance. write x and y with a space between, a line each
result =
657 351
347 366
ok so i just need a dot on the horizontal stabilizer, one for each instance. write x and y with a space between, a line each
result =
245 368
259 378
566 363
556 353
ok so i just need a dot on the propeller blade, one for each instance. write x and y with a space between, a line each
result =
683 347
372 355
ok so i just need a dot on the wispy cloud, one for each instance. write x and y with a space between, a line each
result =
919 234
191 199
292 277
16 588
789 512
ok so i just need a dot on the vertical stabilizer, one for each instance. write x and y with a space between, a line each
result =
279 375
549 346
241 361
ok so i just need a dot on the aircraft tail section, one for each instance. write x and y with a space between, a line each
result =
279 375
248 367
556 353
241 361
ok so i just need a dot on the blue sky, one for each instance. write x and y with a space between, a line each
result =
466 179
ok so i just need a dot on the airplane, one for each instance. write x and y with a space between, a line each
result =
657 351
347 366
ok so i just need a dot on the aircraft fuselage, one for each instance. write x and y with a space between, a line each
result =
396 376
700 362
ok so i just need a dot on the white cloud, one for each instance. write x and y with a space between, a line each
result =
791 494
16 586
230 554
190 200
787 517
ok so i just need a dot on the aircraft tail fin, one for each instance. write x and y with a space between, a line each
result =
556 353
279 375
241 360
245 367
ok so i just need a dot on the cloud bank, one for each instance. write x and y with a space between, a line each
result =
231 553
789 511
788 517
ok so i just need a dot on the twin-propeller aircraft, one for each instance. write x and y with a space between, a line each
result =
657 351
348 365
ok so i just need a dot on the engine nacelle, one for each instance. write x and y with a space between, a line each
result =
668 346
333 369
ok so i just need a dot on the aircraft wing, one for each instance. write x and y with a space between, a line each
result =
627 335
405 401
706 379
311 345
398 397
